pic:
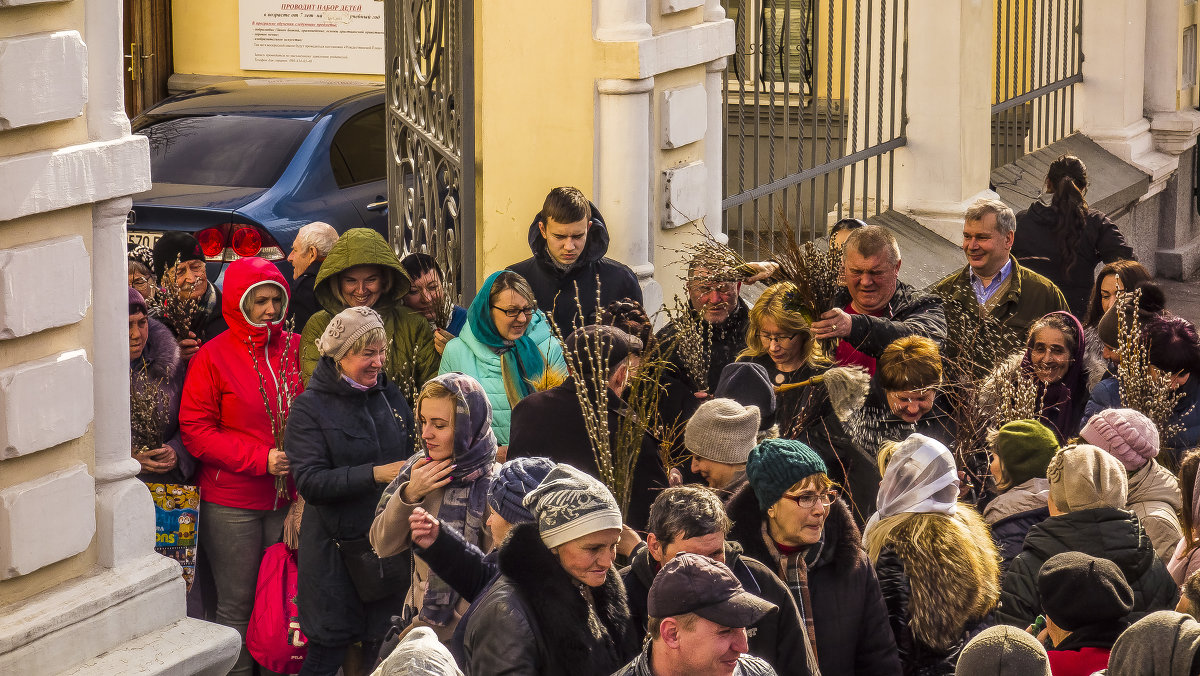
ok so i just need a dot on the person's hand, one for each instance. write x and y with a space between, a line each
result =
385 473
424 528
157 460
834 323
701 395
502 453
762 270
189 346
628 542
674 477
277 462
440 338
427 476
291 524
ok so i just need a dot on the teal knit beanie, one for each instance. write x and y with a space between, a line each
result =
776 465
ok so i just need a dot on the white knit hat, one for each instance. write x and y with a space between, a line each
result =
569 504
346 327
723 431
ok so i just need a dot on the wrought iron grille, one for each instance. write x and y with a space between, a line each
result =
1038 64
814 108
430 135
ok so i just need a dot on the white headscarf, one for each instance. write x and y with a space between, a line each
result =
921 478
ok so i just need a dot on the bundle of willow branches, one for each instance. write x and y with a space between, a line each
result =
176 307
816 272
1143 387
278 406
692 342
443 311
149 402
719 261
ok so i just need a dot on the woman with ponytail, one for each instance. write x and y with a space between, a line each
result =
1059 237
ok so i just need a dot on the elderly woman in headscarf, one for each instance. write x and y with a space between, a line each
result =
936 562
506 345
347 437
449 478
155 387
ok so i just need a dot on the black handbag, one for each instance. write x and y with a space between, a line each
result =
374 578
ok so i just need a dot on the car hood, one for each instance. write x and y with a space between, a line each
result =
197 196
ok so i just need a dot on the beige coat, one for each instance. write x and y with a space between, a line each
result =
390 535
1154 496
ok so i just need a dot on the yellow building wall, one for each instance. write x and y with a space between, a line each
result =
205 42
535 66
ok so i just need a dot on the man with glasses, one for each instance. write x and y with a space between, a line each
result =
994 283
179 254
875 308
568 239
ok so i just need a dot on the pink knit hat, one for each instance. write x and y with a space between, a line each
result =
1125 433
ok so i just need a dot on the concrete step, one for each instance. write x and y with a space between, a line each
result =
188 647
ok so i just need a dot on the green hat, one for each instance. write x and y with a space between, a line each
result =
776 465
1025 448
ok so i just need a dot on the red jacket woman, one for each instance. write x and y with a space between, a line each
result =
234 398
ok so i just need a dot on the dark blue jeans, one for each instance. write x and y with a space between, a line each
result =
323 660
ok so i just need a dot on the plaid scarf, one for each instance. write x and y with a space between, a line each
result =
793 570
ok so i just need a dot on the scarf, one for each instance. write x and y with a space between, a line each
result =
464 499
521 361
921 478
1063 401
793 570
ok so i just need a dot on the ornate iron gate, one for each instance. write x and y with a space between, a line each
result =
430 129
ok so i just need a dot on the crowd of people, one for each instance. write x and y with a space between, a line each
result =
435 470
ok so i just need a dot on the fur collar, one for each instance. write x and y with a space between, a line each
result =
953 573
161 354
841 548
560 611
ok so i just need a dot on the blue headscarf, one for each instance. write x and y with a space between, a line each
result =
528 363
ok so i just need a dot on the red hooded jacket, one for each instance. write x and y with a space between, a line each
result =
223 416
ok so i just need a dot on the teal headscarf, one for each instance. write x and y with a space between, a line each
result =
529 362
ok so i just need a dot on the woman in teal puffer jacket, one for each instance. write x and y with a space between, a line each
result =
506 345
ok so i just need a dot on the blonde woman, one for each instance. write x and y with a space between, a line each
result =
937 565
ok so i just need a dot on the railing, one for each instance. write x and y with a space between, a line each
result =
1038 64
814 108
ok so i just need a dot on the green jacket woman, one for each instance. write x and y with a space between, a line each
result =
362 269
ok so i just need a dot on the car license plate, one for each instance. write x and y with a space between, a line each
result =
143 237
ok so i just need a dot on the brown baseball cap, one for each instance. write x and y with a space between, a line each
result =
691 583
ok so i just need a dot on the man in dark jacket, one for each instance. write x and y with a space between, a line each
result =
691 519
875 307
312 244
551 423
993 284
568 239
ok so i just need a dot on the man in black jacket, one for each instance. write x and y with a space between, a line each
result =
692 519
311 246
568 239
875 307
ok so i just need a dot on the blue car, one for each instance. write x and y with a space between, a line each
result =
243 165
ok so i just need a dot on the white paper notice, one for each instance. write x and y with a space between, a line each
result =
312 37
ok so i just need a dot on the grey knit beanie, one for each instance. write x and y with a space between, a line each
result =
1003 651
346 327
570 504
1085 477
512 483
1160 644
722 430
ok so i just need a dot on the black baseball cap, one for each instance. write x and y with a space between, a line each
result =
691 583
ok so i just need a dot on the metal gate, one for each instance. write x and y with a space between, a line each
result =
814 108
430 128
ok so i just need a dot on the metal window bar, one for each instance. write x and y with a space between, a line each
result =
1038 62
814 92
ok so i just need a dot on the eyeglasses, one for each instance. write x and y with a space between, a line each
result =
808 500
140 281
705 288
513 313
767 339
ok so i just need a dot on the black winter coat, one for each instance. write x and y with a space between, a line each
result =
728 341
777 638
161 367
548 280
851 620
1037 247
466 569
1009 533
550 424
1104 532
335 437
534 618
910 312
302 303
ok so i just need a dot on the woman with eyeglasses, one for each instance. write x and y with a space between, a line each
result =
790 519
1053 362
506 345
935 558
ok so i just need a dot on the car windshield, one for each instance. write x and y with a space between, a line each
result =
226 150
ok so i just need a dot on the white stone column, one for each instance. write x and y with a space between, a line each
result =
623 175
943 167
714 86
1112 91
1174 123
